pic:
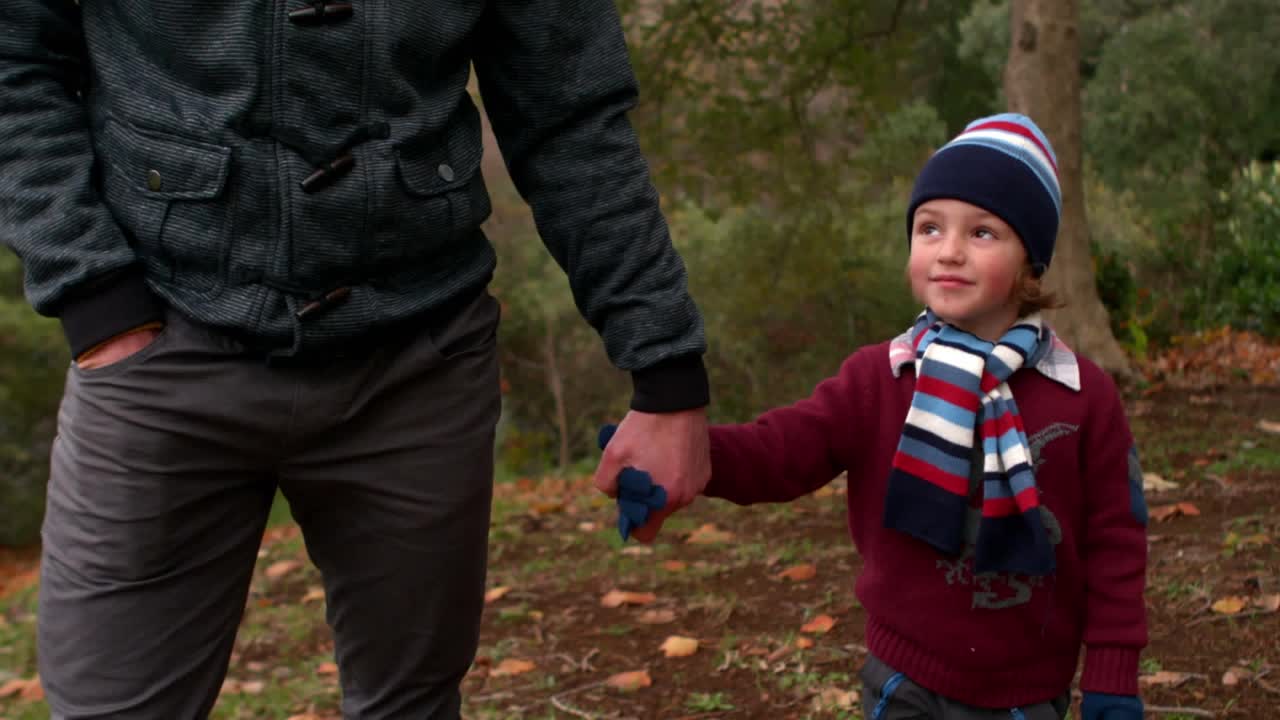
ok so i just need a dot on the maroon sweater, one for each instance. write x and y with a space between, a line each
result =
994 640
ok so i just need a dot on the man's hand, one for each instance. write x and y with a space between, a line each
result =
117 348
672 447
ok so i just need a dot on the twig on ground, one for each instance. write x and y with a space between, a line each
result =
557 701
1197 712
1215 618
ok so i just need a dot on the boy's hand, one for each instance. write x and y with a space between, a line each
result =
672 447
1100 706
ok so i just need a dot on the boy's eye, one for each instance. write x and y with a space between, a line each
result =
927 229
985 234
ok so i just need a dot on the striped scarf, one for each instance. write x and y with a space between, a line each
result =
961 391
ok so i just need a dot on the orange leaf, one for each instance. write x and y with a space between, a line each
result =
313 595
1165 677
327 668
1164 512
279 569
676 646
1269 426
819 625
495 594
618 598
709 534
628 681
798 573
1229 605
253 687
804 643
657 617
512 666
1187 508
1268 603
674 566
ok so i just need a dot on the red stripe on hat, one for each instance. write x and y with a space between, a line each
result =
953 484
1017 129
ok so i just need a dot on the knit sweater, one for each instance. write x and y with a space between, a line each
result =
992 640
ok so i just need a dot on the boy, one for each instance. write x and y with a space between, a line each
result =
994 489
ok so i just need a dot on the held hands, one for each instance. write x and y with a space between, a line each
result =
672 448
118 348
1101 706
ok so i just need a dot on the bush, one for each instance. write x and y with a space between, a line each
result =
33 363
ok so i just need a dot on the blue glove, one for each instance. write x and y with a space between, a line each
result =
637 495
1101 706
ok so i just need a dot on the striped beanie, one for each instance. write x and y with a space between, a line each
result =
1005 165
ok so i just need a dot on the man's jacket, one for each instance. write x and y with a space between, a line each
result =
302 172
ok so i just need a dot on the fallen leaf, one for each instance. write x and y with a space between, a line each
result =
11 688
1234 675
1229 605
819 625
314 594
618 598
637 550
1165 678
798 573
676 646
804 643
834 697
494 594
709 534
1164 512
304 716
279 569
1268 603
629 681
1152 482
674 566
512 666
1269 426
657 617
588 526
327 668
253 687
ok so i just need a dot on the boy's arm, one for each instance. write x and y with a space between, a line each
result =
790 451
78 265
1114 547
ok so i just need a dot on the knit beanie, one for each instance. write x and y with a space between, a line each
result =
1005 165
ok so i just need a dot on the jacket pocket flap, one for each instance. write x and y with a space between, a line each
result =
165 166
431 171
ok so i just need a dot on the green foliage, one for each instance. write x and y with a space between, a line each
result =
33 363
1242 279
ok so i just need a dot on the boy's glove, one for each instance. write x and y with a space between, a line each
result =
1101 706
637 495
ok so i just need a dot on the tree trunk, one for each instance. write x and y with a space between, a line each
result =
1042 81
550 361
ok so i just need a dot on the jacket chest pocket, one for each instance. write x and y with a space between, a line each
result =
166 192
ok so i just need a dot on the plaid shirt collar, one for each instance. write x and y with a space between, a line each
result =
1059 364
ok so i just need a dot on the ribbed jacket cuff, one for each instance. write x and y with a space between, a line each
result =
674 384
1111 670
108 308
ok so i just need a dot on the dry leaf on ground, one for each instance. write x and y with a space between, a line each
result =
23 689
834 697
804 643
253 687
1165 678
493 594
657 617
314 594
1152 482
1269 426
1234 675
819 625
618 598
798 573
628 681
675 566
327 668
1164 512
1268 603
709 534
512 666
676 646
1229 605
279 569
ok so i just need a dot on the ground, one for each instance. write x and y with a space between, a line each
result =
766 594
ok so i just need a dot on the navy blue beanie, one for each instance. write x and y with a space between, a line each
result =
1005 165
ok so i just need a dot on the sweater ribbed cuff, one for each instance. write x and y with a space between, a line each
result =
674 384
107 308
1111 670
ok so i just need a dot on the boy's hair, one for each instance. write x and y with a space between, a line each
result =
1029 291
1005 165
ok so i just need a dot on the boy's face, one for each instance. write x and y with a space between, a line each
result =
964 262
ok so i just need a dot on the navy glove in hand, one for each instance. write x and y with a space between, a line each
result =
1100 706
637 494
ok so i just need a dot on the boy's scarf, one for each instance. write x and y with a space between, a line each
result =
961 391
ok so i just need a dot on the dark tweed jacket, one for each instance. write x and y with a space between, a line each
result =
299 173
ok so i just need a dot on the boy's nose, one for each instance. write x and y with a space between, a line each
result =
952 248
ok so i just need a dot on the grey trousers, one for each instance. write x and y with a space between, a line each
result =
163 473
889 695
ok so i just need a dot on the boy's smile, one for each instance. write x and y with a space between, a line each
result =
964 263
